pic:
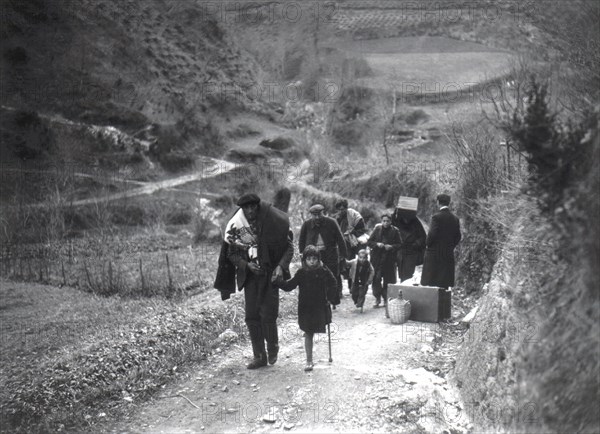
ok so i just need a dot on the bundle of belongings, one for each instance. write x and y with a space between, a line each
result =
239 232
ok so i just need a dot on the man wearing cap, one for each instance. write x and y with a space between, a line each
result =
444 235
324 232
259 245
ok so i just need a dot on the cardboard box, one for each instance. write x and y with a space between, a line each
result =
408 203
427 303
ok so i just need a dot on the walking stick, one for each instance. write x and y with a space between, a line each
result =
329 334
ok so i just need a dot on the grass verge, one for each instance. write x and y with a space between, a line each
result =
72 359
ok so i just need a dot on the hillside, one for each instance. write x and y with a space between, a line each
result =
128 129
126 64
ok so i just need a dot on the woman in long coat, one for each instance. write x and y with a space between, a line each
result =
412 235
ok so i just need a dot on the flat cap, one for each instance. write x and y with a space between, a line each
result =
248 199
316 208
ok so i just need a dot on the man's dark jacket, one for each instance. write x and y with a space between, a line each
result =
384 261
275 247
444 235
335 246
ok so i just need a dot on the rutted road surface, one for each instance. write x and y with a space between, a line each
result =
384 378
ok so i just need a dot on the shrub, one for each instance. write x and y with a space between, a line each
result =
352 135
129 215
179 217
558 156
356 102
387 186
176 161
27 135
479 178
357 68
278 143
416 117
212 138
206 224
241 131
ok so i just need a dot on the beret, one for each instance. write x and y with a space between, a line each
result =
248 199
316 208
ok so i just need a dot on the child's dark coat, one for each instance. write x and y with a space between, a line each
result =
316 287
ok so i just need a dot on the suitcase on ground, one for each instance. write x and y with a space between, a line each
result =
428 303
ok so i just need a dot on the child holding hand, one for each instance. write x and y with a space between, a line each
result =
318 286
361 276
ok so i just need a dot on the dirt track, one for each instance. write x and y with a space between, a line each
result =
384 378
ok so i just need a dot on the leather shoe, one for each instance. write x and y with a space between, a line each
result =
258 362
273 356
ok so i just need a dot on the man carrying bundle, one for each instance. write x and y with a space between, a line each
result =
258 243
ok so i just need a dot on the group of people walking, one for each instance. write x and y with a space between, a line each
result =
258 248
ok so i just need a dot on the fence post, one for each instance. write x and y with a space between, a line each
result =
142 275
169 273
62 267
110 280
87 274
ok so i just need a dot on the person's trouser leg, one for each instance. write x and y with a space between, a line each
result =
406 267
330 260
269 311
354 293
340 286
377 289
384 296
253 318
384 291
362 293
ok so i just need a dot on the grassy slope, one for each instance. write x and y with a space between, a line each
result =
68 357
121 63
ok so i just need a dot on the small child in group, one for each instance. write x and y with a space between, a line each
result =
360 277
318 286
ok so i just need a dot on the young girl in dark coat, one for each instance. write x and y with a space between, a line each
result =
318 287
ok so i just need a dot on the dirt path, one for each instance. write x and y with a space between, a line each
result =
208 168
384 378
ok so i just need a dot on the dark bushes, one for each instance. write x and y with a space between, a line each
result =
558 156
26 134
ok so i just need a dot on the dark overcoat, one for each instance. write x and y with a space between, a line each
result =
335 246
384 261
411 251
444 235
317 287
275 247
